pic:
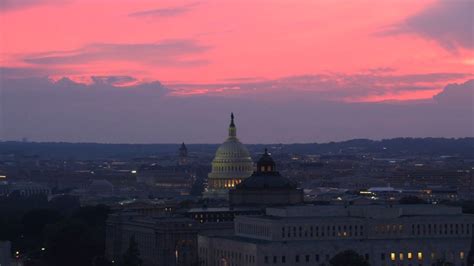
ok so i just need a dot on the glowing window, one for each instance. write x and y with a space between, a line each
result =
400 256
420 255
461 255
392 256
410 255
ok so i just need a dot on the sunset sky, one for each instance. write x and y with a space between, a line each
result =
292 71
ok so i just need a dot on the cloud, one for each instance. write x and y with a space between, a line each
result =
450 23
72 109
329 87
113 80
8 5
168 53
457 95
165 12
22 72
64 110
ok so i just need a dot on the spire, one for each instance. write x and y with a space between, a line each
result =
232 129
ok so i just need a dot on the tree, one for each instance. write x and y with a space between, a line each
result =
348 258
78 239
132 255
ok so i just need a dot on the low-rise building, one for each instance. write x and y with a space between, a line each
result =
165 240
312 235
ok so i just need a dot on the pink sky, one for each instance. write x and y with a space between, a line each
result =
292 71
215 41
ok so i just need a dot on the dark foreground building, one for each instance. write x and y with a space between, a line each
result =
161 240
417 235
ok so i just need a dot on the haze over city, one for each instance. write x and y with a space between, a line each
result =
172 71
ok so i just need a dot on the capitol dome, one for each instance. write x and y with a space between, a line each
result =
230 166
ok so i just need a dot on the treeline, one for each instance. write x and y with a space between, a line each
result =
390 147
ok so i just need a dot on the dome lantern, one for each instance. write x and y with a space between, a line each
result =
266 163
232 128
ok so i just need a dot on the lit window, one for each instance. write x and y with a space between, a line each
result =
420 255
410 255
392 256
400 256
461 255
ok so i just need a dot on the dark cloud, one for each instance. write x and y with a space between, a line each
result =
8 5
165 12
113 80
170 52
22 72
450 23
458 95
74 110
331 87
41 110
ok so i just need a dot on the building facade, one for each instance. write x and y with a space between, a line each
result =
164 240
161 240
230 166
311 235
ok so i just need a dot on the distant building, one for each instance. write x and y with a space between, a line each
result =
27 189
312 235
172 178
146 207
266 187
231 165
221 214
183 155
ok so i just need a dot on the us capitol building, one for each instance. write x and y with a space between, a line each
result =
231 165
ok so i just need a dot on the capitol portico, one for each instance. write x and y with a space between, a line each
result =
230 166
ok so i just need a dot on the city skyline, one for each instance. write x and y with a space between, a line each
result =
172 71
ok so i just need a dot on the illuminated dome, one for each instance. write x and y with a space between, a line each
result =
232 149
230 166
